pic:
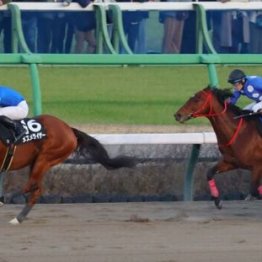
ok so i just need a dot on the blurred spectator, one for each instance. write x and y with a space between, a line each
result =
230 31
29 26
188 46
51 32
5 30
5 27
131 22
84 24
140 47
234 33
173 28
69 33
255 32
85 37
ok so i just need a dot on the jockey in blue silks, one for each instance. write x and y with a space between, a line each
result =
249 86
13 106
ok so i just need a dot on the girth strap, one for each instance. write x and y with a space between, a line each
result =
8 158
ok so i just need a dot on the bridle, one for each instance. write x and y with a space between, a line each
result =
211 113
208 102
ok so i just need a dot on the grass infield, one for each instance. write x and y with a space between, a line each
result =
117 95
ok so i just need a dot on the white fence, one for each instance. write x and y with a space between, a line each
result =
194 139
133 6
151 138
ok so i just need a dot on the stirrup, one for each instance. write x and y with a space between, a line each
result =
17 138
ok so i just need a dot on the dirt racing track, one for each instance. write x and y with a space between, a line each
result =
137 232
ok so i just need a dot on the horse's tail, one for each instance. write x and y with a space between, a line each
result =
89 146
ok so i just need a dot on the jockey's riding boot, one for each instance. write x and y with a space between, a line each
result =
260 111
18 129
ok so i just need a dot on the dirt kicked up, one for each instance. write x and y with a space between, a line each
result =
137 232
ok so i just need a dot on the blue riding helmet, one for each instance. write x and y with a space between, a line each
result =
236 76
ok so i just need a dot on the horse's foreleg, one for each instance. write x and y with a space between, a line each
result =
33 187
21 216
218 168
34 193
2 199
213 187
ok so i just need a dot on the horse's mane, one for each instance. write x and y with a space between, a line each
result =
222 95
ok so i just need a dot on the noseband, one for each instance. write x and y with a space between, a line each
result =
211 113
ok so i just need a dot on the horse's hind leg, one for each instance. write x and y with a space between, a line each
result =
255 190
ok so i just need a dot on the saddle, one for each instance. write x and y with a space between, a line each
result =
259 125
255 116
34 131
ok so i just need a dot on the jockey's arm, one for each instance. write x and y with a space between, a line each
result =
233 99
257 83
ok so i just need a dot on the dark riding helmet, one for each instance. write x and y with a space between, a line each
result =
236 76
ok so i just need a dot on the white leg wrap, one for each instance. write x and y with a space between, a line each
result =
14 221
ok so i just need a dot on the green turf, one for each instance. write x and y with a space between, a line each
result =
116 95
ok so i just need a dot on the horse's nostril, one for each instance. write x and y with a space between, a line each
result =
177 116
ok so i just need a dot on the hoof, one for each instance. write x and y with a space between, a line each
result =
14 221
218 203
2 201
249 197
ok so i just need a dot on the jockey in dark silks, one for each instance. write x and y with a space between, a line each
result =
13 106
249 86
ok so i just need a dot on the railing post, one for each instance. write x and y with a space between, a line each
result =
37 98
212 75
188 180
18 36
17 30
119 34
202 30
102 30
99 34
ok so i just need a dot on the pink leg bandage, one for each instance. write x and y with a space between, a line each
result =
213 188
259 189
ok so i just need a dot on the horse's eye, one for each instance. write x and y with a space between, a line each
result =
196 98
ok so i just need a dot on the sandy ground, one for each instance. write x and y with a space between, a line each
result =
137 232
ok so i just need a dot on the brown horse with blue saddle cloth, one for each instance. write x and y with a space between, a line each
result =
238 136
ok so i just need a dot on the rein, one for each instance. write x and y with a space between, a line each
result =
212 114
233 138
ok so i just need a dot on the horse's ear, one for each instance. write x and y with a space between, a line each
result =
209 87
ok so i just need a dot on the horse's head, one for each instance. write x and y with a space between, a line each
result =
197 105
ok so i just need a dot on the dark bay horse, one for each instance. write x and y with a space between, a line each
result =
61 140
239 140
